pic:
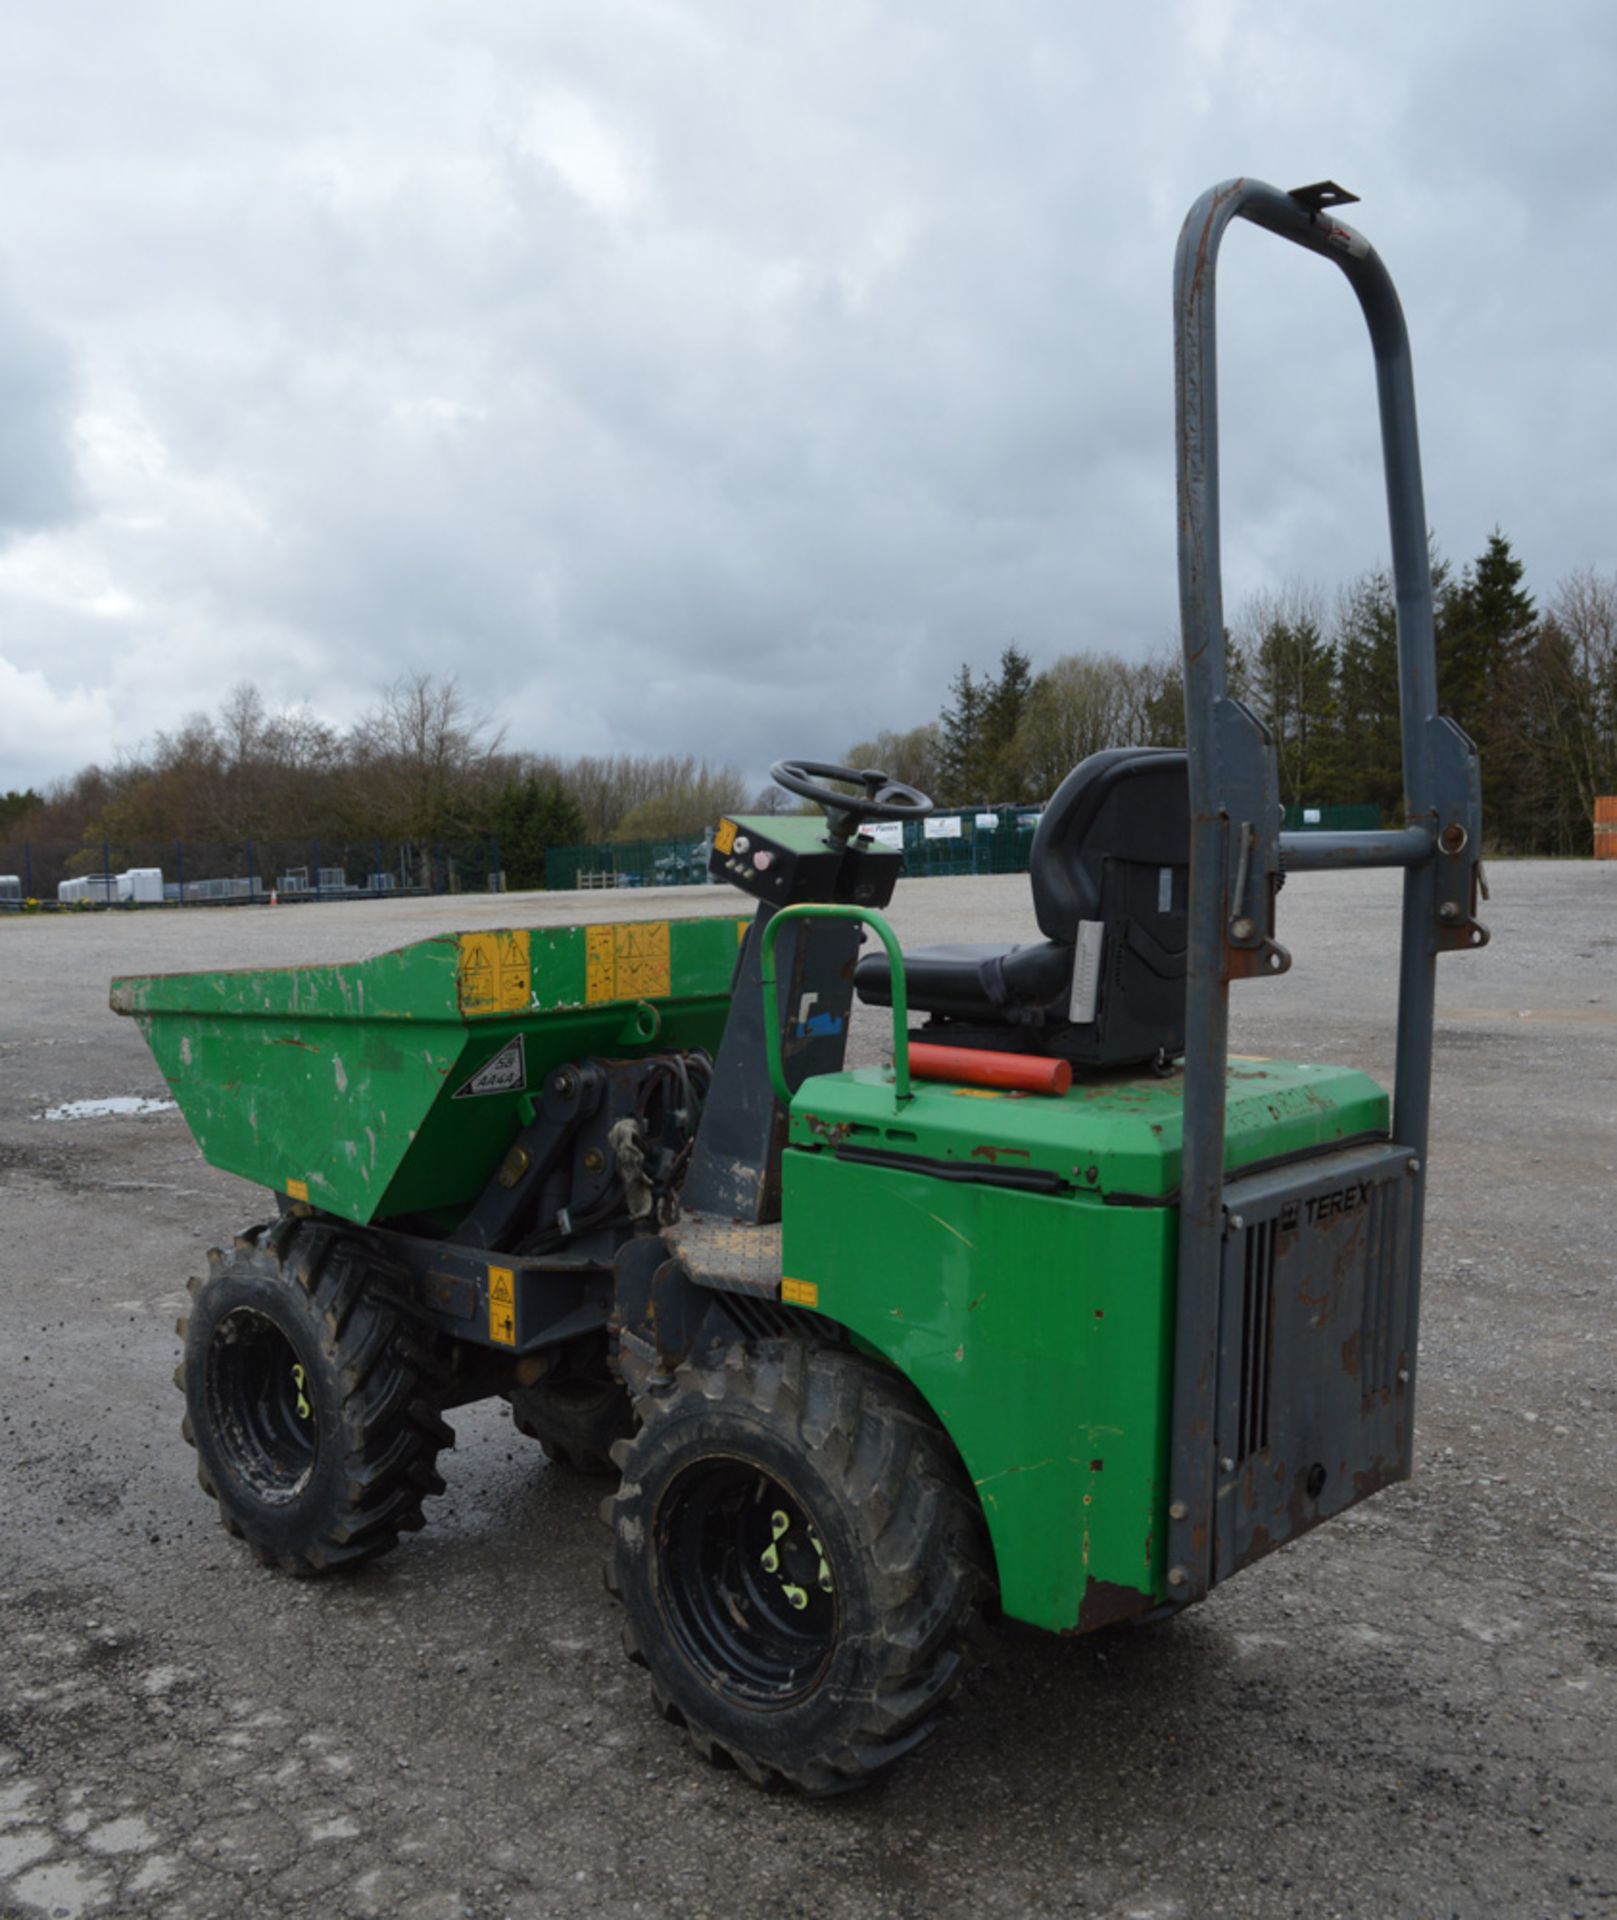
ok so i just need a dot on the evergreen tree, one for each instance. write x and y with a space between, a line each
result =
530 815
1486 630
1366 763
960 727
1291 682
978 757
14 806
1002 774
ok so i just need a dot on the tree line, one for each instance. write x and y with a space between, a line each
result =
420 769
1536 689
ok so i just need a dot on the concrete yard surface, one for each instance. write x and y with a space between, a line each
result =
1411 1712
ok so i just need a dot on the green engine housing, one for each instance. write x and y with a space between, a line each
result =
1014 1257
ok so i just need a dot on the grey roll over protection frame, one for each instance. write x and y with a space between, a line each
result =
1236 847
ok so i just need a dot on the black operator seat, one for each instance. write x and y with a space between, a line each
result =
1106 986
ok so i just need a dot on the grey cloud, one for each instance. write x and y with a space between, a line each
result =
38 478
701 378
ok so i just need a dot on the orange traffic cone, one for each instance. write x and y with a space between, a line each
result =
275 898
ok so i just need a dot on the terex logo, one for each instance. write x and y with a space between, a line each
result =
1330 1206
1326 1206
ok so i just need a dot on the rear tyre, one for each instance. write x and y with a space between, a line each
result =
577 1420
800 1561
313 1412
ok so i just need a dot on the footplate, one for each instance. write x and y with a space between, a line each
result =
1316 1348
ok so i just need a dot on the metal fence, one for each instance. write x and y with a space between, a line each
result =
628 863
194 873
1365 819
959 840
956 840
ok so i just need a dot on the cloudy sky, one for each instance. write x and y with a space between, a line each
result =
717 376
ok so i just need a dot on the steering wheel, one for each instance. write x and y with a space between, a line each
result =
884 798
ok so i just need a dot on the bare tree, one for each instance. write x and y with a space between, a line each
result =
426 761
912 756
1076 708
606 788
1576 675
690 797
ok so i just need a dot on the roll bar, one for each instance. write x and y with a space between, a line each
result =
1237 848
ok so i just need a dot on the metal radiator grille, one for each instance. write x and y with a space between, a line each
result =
1378 1347
1257 1341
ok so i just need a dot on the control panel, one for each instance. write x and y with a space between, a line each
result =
786 860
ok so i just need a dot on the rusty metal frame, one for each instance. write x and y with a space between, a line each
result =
1236 843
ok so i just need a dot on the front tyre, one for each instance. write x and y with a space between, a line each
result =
799 1559
311 1409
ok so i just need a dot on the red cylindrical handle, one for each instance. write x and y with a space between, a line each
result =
977 1067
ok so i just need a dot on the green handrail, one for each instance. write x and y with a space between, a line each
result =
766 974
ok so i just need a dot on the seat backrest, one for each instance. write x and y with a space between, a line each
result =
1127 804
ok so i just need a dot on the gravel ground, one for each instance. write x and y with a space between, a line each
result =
1411 1712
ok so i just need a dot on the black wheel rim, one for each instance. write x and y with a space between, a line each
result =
260 1406
747 1584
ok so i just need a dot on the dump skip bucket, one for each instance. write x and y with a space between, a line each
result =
393 1085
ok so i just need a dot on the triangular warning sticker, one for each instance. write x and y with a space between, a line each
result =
506 1072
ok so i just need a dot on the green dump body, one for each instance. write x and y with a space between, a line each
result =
393 1085
1039 1325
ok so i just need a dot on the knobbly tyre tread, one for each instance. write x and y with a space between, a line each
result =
388 1385
928 1565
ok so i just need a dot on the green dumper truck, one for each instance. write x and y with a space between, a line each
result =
1061 1312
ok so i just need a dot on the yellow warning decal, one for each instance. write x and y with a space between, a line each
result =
800 1293
298 1190
502 1306
495 974
724 836
978 1093
627 962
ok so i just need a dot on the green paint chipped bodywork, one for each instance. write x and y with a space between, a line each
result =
1038 1325
344 1078
1112 1134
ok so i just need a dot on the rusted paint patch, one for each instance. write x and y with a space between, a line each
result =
1105 1602
449 1294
